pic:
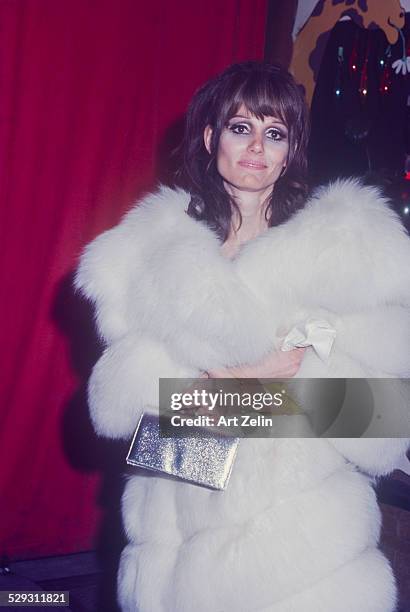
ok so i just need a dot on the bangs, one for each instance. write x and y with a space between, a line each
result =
262 98
265 91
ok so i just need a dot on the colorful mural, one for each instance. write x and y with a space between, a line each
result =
310 42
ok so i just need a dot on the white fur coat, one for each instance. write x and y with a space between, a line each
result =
298 526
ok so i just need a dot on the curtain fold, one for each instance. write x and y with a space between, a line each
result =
92 94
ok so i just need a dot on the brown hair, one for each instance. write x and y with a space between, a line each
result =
265 90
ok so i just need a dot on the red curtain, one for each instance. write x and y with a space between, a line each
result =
91 95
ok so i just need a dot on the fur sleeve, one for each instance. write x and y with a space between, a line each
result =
375 456
373 410
102 277
124 383
114 269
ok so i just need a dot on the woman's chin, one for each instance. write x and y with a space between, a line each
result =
249 185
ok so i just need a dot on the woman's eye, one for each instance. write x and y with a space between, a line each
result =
239 128
276 134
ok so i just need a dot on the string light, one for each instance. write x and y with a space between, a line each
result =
340 62
353 59
385 77
406 210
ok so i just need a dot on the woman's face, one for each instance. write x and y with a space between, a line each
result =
252 152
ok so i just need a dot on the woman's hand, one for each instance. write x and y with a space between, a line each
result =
278 364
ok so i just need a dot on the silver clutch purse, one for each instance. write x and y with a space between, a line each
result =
203 459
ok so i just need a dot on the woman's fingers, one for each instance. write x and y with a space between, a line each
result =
278 364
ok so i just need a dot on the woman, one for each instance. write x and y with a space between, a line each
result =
211 280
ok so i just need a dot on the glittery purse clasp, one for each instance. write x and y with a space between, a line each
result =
203 459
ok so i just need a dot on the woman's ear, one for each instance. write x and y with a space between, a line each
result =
207 138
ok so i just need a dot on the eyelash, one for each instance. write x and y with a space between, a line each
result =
276 131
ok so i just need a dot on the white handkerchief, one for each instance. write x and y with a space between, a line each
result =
316 333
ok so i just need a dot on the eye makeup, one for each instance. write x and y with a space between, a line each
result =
244 127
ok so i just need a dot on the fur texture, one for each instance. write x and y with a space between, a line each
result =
297 529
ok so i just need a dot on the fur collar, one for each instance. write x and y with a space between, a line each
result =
345 257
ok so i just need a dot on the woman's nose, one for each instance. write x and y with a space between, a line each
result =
256 144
